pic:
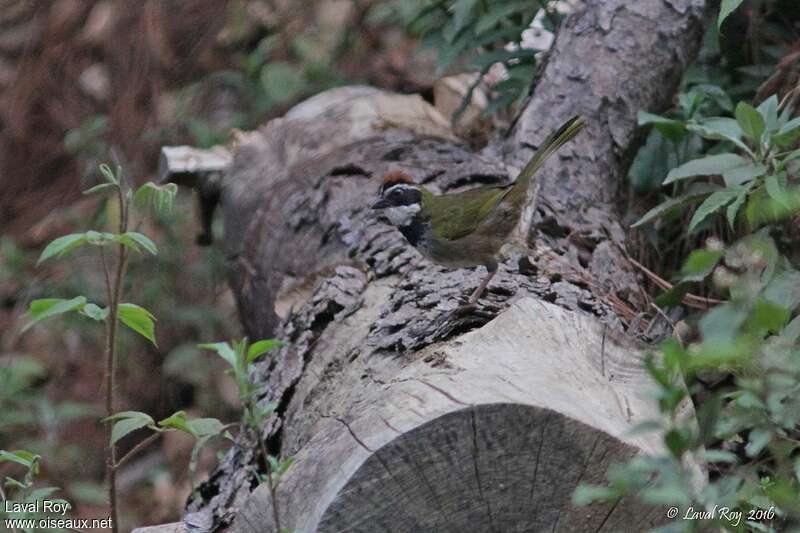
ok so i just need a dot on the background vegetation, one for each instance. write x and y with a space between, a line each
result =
712 203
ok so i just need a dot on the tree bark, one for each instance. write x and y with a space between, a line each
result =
402 415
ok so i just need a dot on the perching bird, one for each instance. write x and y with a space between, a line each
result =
465 229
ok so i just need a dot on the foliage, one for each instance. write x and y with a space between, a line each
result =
135 317
746 433
753 157
22 491
484 34
240 357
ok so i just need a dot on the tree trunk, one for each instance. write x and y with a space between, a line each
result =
401 414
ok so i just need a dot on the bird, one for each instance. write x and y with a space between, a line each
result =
465 229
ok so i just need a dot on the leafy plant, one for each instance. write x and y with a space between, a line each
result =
484 34
138 319
752 159
240 357
747 433
25 496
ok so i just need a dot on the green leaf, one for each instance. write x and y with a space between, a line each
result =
768 316
652 163
62 245
23 457
109 174
743 174
102 187
733 208
769 110
672 129
224 350
725 9
95 312
673 296
784 289
177 421
133 240
462 13
49 307
700 263
139 320
161 197
721 129
707 166
710 205
698 190
751 121
757 441
127 422
775 190
261 347
206 427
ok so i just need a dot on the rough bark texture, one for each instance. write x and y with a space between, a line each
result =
403 415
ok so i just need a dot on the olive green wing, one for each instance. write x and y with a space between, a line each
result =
456 215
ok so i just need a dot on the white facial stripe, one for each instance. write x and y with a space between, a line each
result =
402 215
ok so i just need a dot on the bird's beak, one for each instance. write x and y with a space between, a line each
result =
380 204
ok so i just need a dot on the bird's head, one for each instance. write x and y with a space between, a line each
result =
400 198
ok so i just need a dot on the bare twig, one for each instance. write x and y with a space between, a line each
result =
689 300
136 449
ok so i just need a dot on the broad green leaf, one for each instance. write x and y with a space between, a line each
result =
99 238
792 125
712 204
261 347
49 307
23 457
672 129
652 163
769 110
700 263
784 289
498 12
462 13
673 296
757 441
721 129
205 427
62 245
139 320
736 205
788 134
224 350
725 9
707 166
133 240
95 312
127 422
161 197
177 421
103 187
743 174
768 317
701 189
751 121
775 190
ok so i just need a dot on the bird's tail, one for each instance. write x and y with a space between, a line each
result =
553 142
